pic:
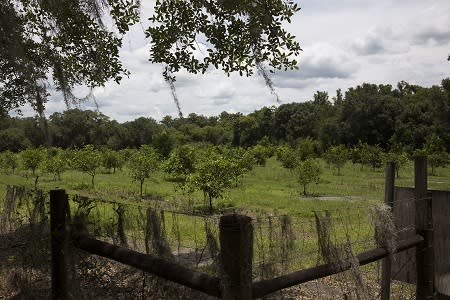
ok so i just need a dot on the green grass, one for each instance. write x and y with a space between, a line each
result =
264 189
273 188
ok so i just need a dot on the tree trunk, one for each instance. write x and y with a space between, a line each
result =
304 190
142 183
210 205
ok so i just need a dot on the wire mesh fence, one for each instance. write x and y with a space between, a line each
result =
191 240
285 244
281 244
24 242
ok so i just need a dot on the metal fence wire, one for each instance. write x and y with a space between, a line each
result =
281 244
285 244
24 242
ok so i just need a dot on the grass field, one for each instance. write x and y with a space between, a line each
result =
266 193
268 189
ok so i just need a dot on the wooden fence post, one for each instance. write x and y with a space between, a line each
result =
59 244
386 266
121 225
236 253
424 227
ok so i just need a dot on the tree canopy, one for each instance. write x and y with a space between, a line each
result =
61 43
237 34
65 43
406 115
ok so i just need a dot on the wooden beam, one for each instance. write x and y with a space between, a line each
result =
149 263
424 227
265 287
59 244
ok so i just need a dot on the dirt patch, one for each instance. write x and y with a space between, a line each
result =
339 198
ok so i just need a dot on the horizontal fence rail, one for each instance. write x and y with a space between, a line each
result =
265 287
152 264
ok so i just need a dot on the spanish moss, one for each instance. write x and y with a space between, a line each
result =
262 71
170 79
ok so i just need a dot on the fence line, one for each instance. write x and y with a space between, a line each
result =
236 248
266 287
152 264
281 243
239 229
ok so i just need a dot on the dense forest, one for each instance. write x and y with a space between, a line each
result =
405 117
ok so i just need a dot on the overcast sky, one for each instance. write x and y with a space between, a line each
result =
345 43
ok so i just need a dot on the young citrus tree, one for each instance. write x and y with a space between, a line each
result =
87 160
261 154
8 160
435 150
287 157
214 174
142 164
399 159
111 160
32 159
337 156
55 162
368 155
180 163
308 172
306 148
244 158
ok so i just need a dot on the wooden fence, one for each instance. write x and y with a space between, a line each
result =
236 251
439 230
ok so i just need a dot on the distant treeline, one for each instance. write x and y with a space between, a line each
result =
405 116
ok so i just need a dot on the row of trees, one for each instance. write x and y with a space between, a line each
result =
301 160
402 117
212 169
372 156
208 169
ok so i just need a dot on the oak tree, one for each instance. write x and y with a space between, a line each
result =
65 43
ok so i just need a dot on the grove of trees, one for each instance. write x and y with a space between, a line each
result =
397 120
367 125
